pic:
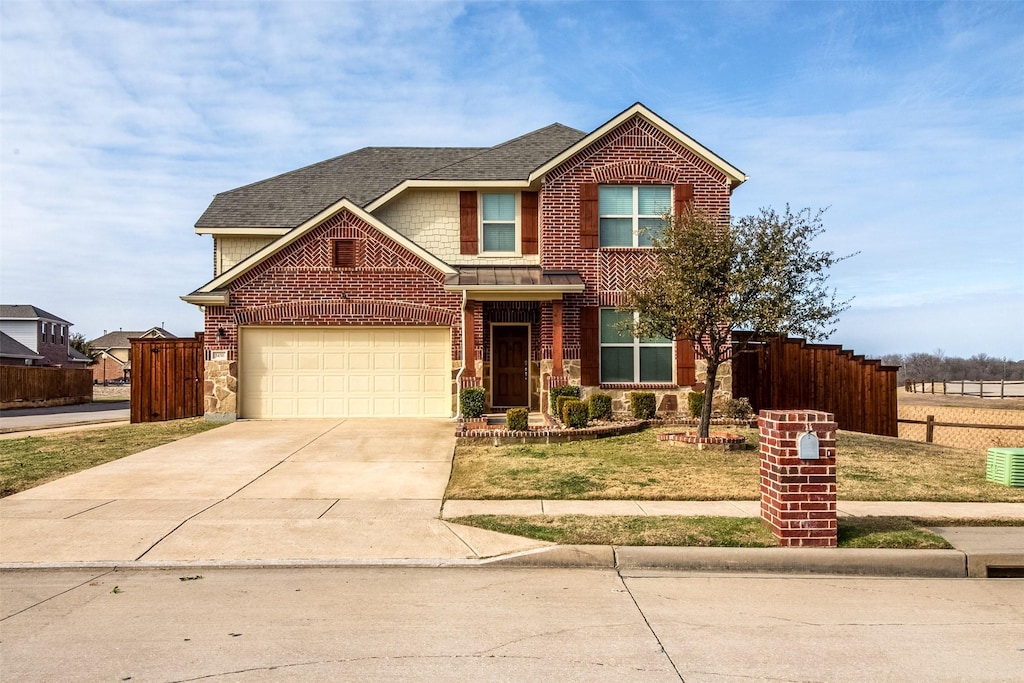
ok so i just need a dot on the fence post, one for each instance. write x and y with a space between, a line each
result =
1002 388
929 429
981 389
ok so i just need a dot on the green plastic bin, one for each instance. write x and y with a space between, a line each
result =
1005 466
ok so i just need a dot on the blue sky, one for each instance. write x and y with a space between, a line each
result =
120 121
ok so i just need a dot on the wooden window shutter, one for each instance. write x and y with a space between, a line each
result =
686 364
590 346
344 254
530 208
684 198
469 223
588 216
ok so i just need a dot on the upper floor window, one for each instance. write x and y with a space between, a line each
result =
630 216
498 223
625 358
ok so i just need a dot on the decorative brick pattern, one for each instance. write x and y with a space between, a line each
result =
798 497
635 152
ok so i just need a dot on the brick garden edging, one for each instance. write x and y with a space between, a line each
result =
555 433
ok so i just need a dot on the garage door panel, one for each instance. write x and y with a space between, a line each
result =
338 372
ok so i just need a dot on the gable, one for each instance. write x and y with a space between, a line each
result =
638 128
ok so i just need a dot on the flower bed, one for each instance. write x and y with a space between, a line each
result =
479 432
722 441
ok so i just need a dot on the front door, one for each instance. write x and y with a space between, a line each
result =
510 366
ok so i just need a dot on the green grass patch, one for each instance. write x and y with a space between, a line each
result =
727 532
639 467
35 460
733 532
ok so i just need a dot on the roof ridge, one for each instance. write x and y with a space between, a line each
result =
487 150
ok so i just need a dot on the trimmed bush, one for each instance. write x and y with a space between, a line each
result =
737 408
600 406
560 402
574 413
571 390
696 401
517 419
642 404
471 402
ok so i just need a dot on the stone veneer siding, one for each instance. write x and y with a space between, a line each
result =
430 218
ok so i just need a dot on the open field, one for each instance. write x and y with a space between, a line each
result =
638 467
35 460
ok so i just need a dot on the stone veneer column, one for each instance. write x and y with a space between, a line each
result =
798 495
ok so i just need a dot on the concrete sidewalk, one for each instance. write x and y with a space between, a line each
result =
14 421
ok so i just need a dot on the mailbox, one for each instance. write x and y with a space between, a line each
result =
807 446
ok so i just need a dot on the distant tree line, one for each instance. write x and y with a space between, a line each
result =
938 367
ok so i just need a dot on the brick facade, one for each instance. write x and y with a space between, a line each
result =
798 496
391 285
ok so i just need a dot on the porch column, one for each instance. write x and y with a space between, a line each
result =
556 339
468 340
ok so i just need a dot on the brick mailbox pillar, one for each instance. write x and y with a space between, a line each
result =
798 476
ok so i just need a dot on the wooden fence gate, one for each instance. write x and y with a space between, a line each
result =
167 379
779 373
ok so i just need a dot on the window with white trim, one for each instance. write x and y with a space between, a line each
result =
631 215
498 223
628 359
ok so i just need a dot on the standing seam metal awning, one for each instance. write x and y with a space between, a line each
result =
509 280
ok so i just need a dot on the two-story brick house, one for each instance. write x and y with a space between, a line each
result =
377 282
36 337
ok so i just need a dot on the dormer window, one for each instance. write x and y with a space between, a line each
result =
632 216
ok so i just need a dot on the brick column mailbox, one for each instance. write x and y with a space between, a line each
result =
798 476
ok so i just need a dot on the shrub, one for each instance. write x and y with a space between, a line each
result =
600 406
574 413
560 402
471 402
642 404
517 419
570 390
737 408
696 401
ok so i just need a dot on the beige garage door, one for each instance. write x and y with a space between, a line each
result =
344 372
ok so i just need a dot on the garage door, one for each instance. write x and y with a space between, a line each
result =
345 372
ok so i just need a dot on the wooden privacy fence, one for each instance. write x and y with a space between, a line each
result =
780 374
167 379
27 384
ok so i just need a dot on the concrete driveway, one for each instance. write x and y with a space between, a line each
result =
277 491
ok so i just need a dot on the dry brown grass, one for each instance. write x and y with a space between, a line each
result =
638 467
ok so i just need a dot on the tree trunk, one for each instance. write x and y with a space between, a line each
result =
709 394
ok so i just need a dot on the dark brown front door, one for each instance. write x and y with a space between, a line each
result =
510 346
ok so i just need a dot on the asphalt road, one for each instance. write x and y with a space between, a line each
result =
17 419
319 624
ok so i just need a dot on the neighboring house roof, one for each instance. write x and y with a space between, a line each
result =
119 338
11 348
28 312
77 356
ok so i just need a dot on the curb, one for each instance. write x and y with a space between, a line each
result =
40 428
817 561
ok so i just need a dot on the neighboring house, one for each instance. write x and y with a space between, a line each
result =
43 334
113 353
367 284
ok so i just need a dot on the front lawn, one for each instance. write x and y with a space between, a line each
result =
733 532
639 467
35 460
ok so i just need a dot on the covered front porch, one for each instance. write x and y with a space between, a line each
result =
514 332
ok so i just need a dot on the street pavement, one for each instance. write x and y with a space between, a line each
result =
17 420
450 624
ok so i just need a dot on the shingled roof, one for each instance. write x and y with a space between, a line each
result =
28 312
287 200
